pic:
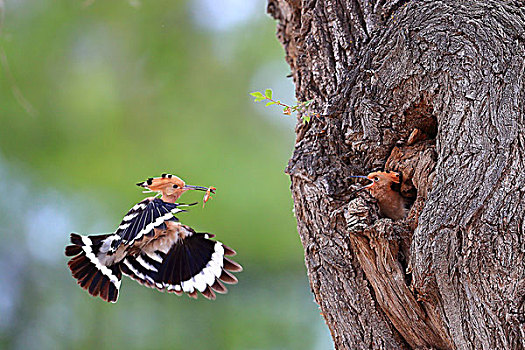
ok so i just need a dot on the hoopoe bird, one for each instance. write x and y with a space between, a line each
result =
152 247
391 204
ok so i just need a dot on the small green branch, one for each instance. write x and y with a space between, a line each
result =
300 107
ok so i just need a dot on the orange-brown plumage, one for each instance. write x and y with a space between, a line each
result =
391 203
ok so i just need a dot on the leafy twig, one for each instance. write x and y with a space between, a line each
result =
300 107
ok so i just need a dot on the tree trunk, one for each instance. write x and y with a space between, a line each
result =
435 90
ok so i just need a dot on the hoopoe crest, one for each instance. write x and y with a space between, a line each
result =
152 247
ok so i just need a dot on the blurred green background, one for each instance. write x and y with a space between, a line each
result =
98 95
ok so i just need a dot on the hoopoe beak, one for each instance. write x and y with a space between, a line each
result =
365 186
198 188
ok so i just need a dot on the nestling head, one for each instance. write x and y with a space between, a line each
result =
381 181
170 186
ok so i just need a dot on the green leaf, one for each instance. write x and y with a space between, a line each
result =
268 93
306 118
257 94
270 103
259 98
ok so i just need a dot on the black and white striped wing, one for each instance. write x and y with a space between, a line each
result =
195 263
141 220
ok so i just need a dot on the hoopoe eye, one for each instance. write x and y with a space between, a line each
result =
376 178
175 186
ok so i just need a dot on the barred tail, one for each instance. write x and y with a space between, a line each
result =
91 274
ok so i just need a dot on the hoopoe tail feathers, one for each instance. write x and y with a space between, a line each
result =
197 264
91 274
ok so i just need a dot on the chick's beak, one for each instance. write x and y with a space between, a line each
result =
360 176
198 188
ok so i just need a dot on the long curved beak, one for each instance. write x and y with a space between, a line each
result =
360 176
198 188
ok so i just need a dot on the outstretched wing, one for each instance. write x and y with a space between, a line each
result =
184 265
144 217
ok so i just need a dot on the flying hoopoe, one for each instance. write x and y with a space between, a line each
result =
153 248
391 204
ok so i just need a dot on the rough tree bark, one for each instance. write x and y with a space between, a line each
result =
434 89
